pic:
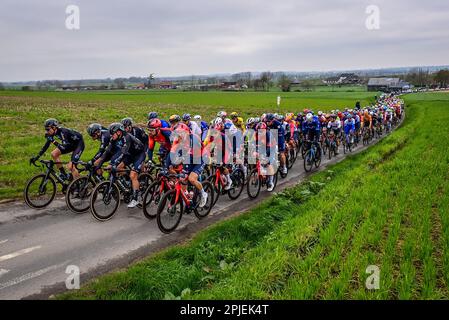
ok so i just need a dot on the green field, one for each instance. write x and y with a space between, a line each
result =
23 114
387 206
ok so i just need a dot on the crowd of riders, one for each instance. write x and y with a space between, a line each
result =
188 144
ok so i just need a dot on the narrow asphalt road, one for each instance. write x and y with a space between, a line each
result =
36 247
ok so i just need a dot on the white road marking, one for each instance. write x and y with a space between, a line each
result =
3 241
31 275
18 253
3 271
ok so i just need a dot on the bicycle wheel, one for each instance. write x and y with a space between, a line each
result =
145 179
308 161
253 185
39 191
200 213
238 182
104 201
169 212
217 187
151 199
291 157
317 159
78 194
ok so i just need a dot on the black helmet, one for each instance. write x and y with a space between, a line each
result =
269 117
116 126
186 117
152 115
127 122
51 123
93 128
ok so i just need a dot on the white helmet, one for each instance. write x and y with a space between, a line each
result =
309 117
320 113
197 117
218 121
222 114
250 121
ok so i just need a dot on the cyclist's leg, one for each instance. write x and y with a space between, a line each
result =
76 155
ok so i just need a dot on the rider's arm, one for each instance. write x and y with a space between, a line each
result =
46 146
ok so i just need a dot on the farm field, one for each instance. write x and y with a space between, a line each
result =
387 206
23 113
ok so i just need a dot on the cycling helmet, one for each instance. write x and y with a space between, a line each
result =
309 117
127 122
222 114
269 117
257 120
51 123
218 122
116 126
234 115
320 113
197 117
306 111
152 115
186 117
250 121
93 128
154 124
174 118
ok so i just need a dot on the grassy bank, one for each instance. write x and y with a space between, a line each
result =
387 206
23 113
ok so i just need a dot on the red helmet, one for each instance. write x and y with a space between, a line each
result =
154 124
306 111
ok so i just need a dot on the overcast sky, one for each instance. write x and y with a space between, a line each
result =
170 38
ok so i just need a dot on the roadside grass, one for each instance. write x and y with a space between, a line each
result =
23 113
387 206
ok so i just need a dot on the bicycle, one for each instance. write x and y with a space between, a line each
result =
219 182
154 193
348 142
78 192
108 193
313 156
40 190
257 179
177 200
332 144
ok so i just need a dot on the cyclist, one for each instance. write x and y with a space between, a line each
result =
367 121
349 127
220 142
272 123
264 140
193 126
157 133
126 150
238 122
335 126
137 132
203 126
97 132
154 115
312 130
194 167
71 141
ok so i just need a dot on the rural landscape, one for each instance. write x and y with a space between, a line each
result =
353 203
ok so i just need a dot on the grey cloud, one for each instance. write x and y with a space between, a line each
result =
123 38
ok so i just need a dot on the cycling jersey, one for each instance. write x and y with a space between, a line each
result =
312 128
163 138
127 149
349 125
71 141
104 142
239 124
281 134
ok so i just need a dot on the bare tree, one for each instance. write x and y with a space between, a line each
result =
266 78
442 78
284 82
